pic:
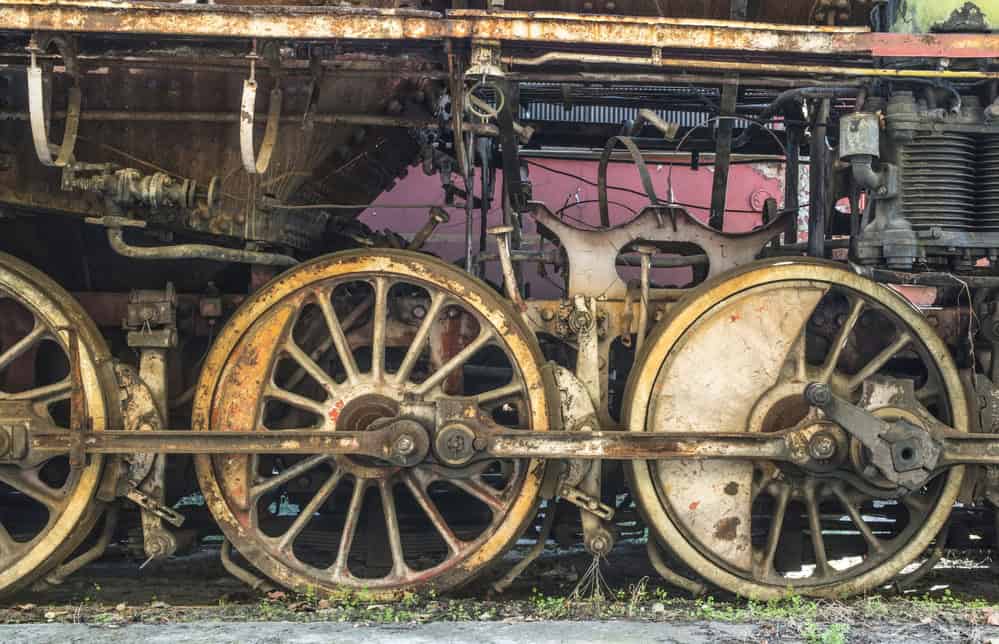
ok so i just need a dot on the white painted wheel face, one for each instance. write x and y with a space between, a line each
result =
738 360
46 504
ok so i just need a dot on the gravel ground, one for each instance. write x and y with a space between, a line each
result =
193 599
444 633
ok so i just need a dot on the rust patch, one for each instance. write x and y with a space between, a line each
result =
693 505
725 530
732 488
335 411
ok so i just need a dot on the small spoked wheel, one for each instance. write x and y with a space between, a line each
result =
46 507
354 342
736 355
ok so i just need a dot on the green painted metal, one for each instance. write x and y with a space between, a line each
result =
935 16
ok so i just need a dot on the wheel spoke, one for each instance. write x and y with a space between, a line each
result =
378 325
916 504
287 474
32 487
481 491
399 567
339 567
458 360
20 347
928 391
879 361
343 351
856 307
873 543
416 486
416 348
306 514
776 527
7 544
822 568
306 362
46 394
295 400
506 391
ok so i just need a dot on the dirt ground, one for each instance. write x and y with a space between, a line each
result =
192 598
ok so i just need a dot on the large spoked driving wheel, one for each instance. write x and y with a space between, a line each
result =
737 355
46 507
353 342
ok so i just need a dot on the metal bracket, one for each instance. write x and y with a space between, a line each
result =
36 102
257 162
150 504
905 453
586 502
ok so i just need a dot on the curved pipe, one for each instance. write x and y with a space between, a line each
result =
195 251
695 588
797 94
864 175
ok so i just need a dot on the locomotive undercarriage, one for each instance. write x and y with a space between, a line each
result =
356 413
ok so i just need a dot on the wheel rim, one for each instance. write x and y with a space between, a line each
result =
55 503
346 342
770 328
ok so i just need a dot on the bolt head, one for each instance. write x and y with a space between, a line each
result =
822 446
818 394
404 445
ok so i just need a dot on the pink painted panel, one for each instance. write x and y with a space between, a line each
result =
749 185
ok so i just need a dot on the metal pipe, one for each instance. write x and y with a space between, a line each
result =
791 180
695 588
116 239
502 234
242 574
679 261
646 252
739 66
661 79
469 200
723 153
539 547
818 196
797 94
233 117
92 554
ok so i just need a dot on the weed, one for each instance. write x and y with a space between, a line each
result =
831 634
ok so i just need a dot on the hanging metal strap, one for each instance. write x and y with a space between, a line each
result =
643 172
257 162
37 113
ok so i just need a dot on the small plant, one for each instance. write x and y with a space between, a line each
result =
831 634
639 594
549 607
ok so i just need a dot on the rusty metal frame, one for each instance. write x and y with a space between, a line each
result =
958 448
306 22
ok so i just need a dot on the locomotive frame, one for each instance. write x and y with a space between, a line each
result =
786 380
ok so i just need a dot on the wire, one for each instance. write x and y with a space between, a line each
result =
345 206
580 203
637 192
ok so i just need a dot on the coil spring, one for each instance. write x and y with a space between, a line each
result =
988 183
939 183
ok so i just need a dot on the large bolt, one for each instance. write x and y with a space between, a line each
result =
404 445
818 394
822 446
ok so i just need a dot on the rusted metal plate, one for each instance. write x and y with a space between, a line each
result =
746 341
285 22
